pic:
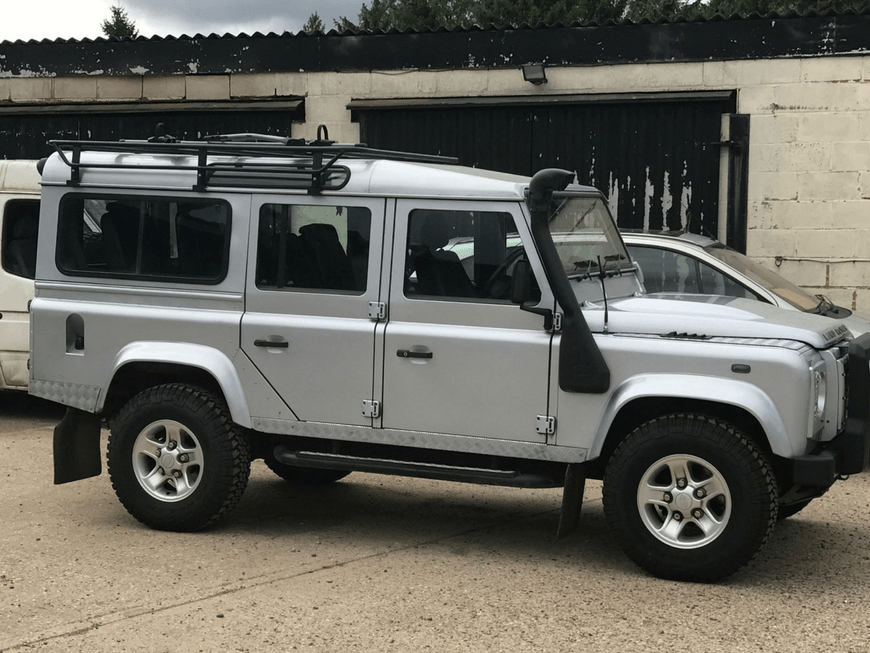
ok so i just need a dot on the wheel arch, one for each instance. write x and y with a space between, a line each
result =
142 365
639 400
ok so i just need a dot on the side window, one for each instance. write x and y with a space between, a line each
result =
666 271
313 248
461 254
155 238
20 231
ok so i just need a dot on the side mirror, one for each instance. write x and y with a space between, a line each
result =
521 282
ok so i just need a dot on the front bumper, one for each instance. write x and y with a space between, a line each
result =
849 452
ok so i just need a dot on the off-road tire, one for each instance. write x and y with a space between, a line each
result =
735 516
213 468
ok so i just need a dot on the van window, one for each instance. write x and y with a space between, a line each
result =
20 231
155 238
320 248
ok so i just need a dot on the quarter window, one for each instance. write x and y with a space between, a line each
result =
20 231
156 238
317 248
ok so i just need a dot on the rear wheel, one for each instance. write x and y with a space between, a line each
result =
690 498
176 459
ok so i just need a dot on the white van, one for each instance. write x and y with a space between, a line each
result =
19 223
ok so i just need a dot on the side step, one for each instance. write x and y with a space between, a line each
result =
418 470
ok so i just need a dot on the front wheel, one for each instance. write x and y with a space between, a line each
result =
690 498
176 459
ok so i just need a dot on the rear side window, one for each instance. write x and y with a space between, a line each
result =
20 231
317 248
154 238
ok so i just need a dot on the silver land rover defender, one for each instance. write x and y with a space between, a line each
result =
333 308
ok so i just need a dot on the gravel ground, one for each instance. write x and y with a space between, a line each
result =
378 563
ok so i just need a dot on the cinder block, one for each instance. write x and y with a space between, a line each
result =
817 97
349 84
755 99
119 88
800 215
804 157
850 215
833 244
772 186
293 84
827 127
207 87
75 88
764 157
28 89
460 83
253 86
864 182
851 157
170 87
327 110
5 90
850 274
401 84
829 186
832 69
775 128
769 243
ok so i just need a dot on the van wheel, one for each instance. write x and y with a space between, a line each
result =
303 475
690 498
176 459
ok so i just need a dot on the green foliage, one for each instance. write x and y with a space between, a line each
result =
420 14
314 24
119 25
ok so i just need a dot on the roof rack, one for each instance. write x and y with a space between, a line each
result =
311 165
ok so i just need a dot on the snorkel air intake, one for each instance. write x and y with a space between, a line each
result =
581 366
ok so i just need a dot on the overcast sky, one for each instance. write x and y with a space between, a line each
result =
78 19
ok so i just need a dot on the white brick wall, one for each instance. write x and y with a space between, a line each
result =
809 156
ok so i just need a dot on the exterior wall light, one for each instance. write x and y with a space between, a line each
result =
535 74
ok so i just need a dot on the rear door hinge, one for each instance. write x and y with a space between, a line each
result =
371 408
377 310
545 424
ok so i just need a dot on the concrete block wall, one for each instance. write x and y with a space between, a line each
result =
809 157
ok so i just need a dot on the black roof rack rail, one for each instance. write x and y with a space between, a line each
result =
311 165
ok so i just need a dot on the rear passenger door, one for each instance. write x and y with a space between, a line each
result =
314 269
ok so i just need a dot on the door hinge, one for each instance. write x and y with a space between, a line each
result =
377 310
545 425
557 321
371 408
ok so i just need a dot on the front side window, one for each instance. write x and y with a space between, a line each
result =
460 254
154 238
317 248
20 231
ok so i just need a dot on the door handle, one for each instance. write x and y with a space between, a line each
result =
407 353
280 344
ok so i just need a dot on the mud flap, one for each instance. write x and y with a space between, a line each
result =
572 500
77 447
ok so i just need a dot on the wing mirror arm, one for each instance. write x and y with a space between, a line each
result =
523 295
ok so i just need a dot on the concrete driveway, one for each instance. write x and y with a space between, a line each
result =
377 563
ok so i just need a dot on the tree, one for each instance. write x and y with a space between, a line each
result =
119 25
313 25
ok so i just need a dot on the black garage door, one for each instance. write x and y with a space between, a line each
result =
657 157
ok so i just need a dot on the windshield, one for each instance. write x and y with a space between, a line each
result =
586 237
782 288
